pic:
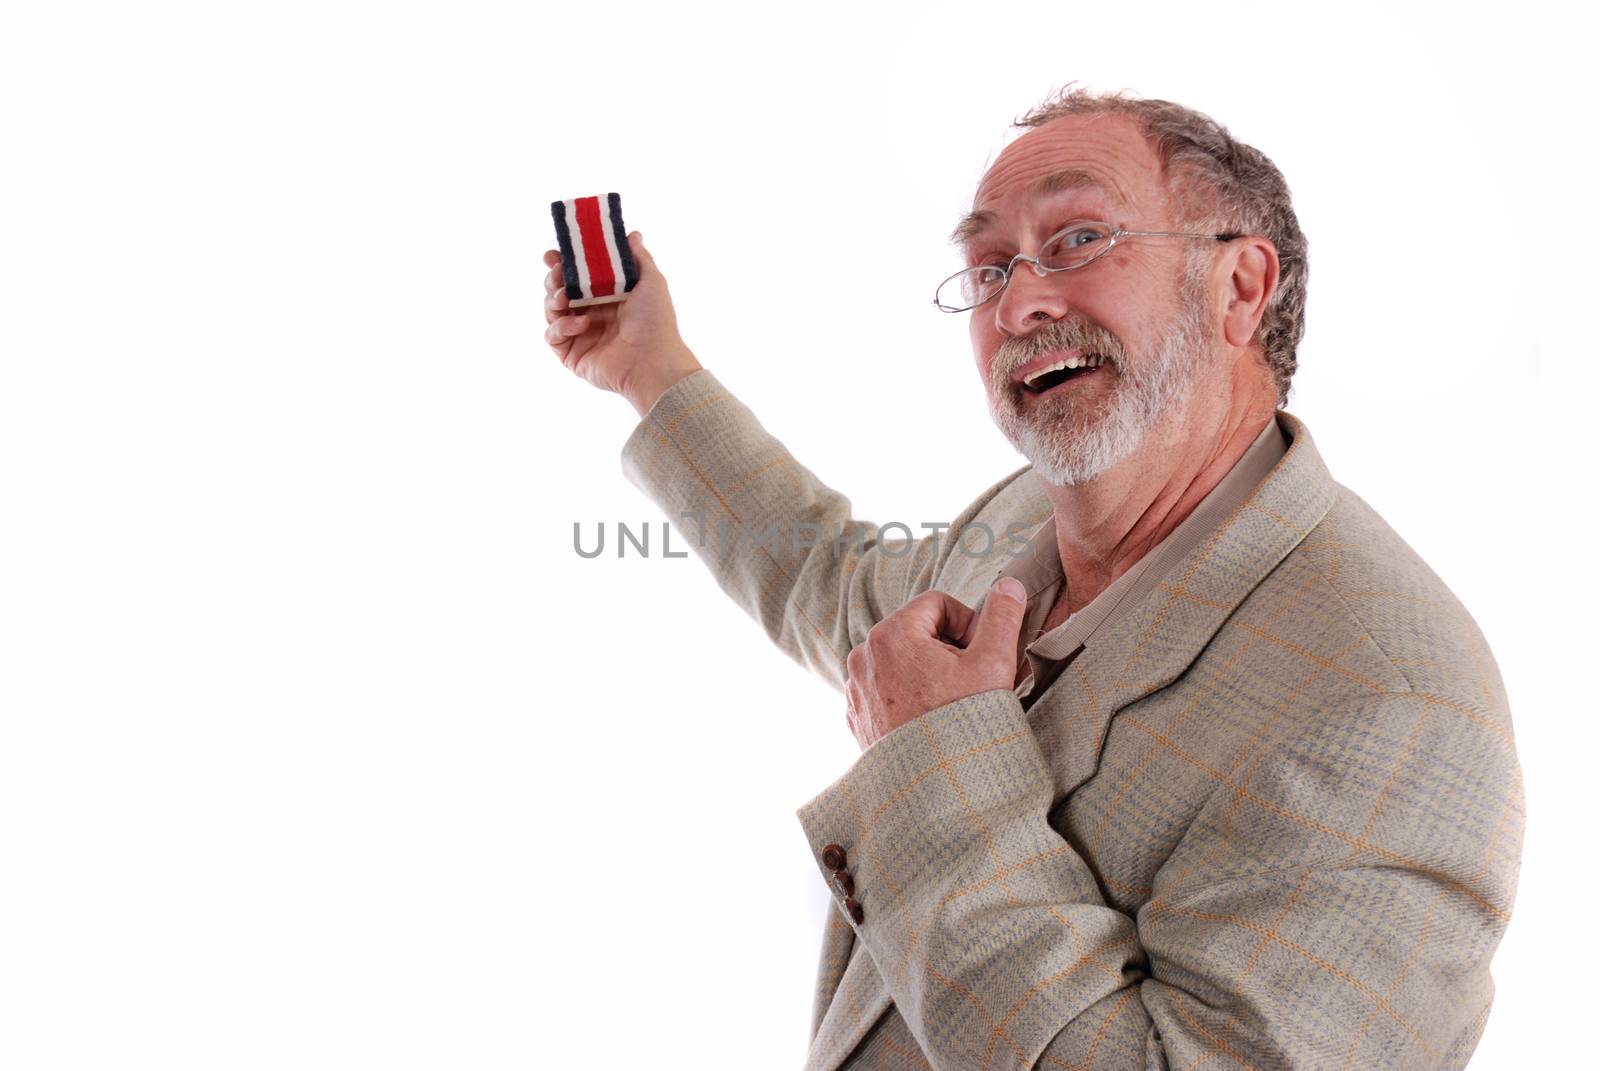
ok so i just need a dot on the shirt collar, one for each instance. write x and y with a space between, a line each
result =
1038 567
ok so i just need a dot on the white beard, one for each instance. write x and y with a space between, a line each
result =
1068 446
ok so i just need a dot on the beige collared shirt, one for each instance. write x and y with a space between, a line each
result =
1039 569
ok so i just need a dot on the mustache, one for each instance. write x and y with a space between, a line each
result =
1078 334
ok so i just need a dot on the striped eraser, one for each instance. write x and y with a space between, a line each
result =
595 259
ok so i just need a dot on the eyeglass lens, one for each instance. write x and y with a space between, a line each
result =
1070 248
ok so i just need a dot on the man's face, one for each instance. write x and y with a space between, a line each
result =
1136 308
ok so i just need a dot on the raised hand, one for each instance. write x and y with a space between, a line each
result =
629 347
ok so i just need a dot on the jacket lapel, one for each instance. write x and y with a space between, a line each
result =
1159 638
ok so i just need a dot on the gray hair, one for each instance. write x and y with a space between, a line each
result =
1219 184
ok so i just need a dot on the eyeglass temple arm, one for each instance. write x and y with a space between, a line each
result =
1179 234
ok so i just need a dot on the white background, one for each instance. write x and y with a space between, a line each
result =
321 746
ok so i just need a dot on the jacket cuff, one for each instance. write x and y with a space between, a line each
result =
916 810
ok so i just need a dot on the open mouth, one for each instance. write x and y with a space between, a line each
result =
1051 376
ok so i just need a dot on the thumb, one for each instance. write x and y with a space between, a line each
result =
648 272
640 253
1000 620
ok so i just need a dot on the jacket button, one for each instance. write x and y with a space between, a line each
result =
854 908
846 883
833 857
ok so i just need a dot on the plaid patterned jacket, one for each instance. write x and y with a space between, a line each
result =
1273 819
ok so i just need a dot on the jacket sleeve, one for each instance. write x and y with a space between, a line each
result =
780 543
1339 910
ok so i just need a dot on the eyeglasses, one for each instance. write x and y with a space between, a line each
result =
1080 242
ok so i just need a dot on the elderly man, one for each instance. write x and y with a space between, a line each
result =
1208 767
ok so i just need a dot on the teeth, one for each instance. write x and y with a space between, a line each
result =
1056 367
1092 361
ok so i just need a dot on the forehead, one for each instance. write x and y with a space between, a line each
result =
1102 159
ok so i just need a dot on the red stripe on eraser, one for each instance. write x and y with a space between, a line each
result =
602 280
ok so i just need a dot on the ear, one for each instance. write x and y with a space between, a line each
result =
1251 265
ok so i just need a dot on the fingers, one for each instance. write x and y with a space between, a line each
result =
555 304
553 279
1000 622
959 621
563 329
943 616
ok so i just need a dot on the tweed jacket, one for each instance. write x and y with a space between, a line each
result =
1273 817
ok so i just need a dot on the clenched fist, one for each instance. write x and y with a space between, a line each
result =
932 651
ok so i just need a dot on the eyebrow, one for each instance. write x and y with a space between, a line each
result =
976 222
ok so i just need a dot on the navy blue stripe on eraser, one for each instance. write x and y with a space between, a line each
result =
569 260
630 270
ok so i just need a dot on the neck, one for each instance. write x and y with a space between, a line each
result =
1105 526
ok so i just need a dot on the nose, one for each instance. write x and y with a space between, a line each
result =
1032 296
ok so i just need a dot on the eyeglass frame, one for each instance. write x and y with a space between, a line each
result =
1117 234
